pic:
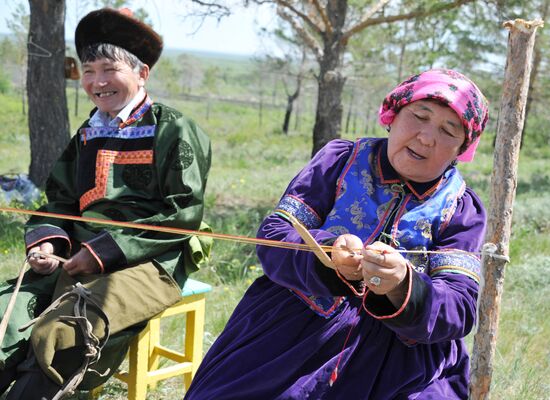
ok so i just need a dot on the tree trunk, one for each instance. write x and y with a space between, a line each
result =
328 116
503 190
261 103
288 113
48 115
290 104
350 110
297 117
402 51
537 59
23 100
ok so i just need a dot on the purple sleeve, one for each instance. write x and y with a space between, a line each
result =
312 194
442 303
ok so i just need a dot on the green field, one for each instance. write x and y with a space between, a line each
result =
251 167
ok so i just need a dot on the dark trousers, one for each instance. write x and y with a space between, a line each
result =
31 383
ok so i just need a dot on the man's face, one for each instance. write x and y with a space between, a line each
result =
111 85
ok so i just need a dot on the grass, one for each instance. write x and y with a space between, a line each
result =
523 352
14 136
253 163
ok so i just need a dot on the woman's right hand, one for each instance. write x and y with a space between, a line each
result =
346 256
40 264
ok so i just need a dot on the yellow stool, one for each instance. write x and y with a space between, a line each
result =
146 350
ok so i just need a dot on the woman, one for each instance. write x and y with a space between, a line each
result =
385 324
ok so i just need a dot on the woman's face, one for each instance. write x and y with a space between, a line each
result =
425 137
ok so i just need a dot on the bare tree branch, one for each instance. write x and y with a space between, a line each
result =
212 9
324 16
368 21
285 4
373 10
308 39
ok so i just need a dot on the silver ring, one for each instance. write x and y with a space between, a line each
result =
375 280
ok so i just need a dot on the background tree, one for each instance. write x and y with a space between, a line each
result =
210 82
48 116
292 95
191 72
19 27
326 27
167 74
290 68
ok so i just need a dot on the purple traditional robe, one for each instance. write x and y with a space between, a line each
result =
275 347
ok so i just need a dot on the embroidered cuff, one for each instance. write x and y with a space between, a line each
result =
301 211
456 262
380 307
57 236
107 252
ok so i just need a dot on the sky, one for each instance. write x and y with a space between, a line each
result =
237 34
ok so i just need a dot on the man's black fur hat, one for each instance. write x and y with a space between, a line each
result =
119 27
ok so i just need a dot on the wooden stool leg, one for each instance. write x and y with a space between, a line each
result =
194 329
146 349
95 393
138 362
154 340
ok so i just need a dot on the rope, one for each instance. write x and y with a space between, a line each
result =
13 297
92 343
166 229
221 236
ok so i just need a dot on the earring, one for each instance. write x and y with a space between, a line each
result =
454 162
388 128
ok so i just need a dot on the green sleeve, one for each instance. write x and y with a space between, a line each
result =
62 199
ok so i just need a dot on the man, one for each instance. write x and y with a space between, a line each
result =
132 160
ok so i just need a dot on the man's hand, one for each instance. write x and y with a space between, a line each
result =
40 264
82 263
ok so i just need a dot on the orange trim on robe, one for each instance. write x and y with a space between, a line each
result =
104 160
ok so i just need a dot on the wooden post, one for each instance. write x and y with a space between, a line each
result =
503 189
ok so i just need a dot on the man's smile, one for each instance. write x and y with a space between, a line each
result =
105 94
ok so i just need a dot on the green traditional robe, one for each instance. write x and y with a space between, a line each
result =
152 169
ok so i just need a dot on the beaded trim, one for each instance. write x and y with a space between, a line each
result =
456 263
130 132
297 208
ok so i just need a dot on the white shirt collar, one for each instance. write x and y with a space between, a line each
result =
103 119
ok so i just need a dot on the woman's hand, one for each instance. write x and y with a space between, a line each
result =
382 264
346 256
40 264
82 263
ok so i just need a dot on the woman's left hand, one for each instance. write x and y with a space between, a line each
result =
384 270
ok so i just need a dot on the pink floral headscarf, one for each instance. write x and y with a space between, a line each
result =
450 88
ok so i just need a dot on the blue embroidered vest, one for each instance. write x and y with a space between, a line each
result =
365 201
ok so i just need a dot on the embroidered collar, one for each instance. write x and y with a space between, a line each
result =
126 116
389 175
